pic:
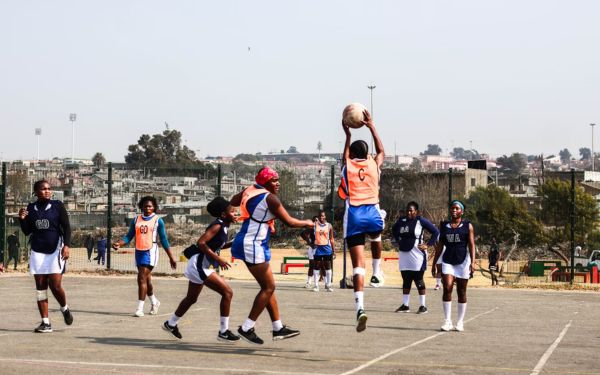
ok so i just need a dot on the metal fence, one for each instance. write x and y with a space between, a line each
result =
183 194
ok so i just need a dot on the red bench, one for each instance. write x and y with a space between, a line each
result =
390 258
285 266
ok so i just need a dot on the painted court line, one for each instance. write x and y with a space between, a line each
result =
382 357
166 367
540 365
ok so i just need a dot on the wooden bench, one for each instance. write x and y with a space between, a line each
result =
285 265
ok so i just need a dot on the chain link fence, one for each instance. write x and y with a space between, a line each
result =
183 194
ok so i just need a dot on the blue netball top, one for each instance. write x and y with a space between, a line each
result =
455 240
409 232
47 222
217 242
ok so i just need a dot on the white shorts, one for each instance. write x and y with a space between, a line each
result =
195 275
413 260
47 264
461 271
310 253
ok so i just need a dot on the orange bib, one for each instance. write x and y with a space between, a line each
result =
249 193
145 232
362 183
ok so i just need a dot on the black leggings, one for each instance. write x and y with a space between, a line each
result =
409 276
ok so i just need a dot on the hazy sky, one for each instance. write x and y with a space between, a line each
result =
508 75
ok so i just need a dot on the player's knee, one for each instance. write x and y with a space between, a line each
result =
41 295
358 271
420 284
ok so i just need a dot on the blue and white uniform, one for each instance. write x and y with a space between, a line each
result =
198 266
48 224
409 234
456 259
251 244
148 257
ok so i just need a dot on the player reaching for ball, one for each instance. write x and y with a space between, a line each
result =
360 190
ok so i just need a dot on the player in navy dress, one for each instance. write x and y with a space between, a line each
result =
47 221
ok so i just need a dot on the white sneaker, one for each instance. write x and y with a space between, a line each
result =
308 285
437 287
316 289
328 288
459 327
139 313
447 326
154 308
376 281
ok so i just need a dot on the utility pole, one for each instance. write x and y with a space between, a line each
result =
372 87
592 125
72 118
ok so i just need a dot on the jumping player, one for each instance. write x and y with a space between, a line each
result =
199 273
360 190
324 248
458 262
412 255
48 223
146 228
259 207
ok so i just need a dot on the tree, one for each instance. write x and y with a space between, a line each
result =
245 157
432 150
460 153
555 207
98 159
319 148
514 164
495 213
585 153
292 150
160 150
565 156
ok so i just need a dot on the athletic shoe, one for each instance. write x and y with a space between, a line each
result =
422 310
154 308
328 288
361 320
250 336
459 327
173 329
316 289
43 328
285 333
376 281
139 313
308 285
68 317
447 326
437 287
228 336
403 309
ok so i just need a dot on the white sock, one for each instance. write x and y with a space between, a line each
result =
140 305
447 310
173 320
462 309
376 268
359 299
277 325
328 277
46 320
422 299
64 308
224 324
248 324
438 281
153 299
316 275
406 299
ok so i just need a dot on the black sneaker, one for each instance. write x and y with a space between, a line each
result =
43 328
250 336
404 309
173 329
285 333
422 310
361 320
68 317
228 336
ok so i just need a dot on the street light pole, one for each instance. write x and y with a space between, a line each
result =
38 132
72 118
592 125
372 87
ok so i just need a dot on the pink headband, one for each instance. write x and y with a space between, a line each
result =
265 175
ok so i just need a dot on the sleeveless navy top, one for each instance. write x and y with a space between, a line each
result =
217 242
44 224
456 241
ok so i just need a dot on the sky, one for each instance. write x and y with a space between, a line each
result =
236 77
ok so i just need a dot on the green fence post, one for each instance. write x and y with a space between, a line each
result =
573 224
109 217
219 180
449 191
3 214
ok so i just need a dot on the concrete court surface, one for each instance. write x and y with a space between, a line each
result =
506 332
